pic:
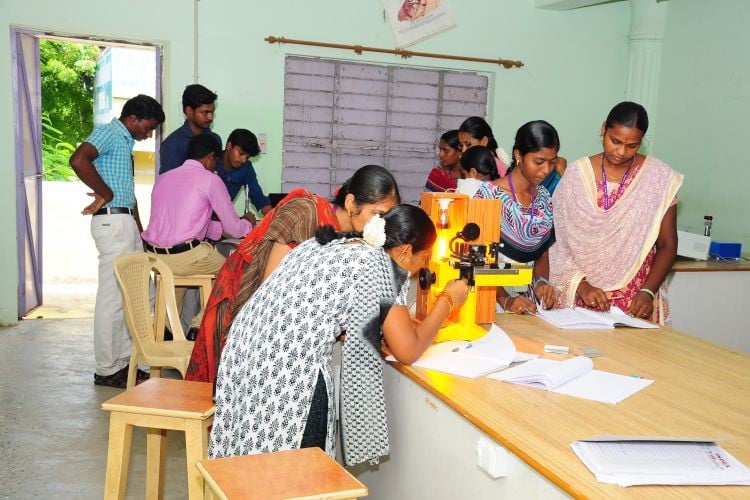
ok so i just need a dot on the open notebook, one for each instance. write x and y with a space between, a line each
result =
574 377
581 318
487 354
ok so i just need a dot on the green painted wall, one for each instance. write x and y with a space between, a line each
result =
576 64
557 83
704 100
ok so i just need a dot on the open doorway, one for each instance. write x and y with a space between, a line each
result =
57 257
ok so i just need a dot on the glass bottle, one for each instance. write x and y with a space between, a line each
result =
707 220
444 221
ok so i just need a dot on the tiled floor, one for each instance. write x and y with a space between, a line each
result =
66 300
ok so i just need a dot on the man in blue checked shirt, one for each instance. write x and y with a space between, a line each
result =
104 162
236 170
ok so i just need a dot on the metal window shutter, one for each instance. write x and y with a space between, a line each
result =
339 116
308 117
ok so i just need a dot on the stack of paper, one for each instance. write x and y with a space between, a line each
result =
579 317
630 461
574 377
488 354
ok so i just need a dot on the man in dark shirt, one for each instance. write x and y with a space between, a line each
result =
236 170
198 104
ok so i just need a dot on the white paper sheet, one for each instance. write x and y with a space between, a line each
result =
604 386
580 318
573 377
630 463
487 354
570 318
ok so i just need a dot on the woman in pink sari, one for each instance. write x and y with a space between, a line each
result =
615 224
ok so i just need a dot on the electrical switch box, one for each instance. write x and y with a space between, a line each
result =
491 458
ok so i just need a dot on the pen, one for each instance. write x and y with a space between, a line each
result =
559 349
467 346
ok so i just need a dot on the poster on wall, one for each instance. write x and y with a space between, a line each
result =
416 20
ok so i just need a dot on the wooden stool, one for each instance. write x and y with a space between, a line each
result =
204 282
158 404
307 473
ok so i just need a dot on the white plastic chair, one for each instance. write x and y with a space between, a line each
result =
133 273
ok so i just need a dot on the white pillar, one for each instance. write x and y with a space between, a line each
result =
646 38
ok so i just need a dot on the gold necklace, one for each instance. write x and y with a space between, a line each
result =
612 178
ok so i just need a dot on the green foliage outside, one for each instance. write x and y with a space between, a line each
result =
67 71
55 153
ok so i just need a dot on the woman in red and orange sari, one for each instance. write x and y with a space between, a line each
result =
371 190
615 224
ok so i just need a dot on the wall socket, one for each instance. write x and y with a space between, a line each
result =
491 458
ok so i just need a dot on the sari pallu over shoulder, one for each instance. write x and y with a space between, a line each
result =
293 220
607 247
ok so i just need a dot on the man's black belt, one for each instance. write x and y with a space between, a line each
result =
179 248
114 211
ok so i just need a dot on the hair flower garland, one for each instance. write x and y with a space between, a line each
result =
374 231
503 155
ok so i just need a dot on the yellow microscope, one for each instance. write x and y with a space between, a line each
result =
467 247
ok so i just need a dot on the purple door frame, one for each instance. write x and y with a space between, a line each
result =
28 158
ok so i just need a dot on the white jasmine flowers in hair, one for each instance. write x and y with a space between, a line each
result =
503 155
374 231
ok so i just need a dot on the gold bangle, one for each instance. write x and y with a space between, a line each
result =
449 298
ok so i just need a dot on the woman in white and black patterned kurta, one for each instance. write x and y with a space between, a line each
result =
282 340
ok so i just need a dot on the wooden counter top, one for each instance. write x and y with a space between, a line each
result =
701 389
691 266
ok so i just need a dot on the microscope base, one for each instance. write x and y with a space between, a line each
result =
457 331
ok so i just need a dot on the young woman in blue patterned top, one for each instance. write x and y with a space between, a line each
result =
526 227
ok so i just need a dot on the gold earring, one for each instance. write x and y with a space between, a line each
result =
401 259
349 212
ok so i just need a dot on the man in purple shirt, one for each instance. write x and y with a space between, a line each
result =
182 202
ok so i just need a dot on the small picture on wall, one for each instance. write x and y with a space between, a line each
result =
414 20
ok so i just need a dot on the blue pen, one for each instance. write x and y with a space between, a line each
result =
467 346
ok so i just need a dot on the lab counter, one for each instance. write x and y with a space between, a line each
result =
436 420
